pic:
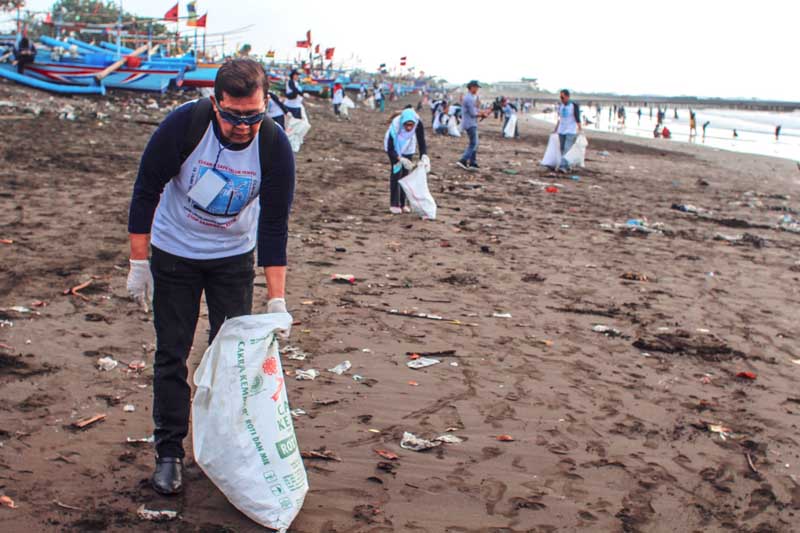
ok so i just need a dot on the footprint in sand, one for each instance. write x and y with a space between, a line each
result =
492 492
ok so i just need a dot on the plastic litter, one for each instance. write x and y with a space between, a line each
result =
606 330
344 278
501 315
309 375
389 456
422 362
156 516
7 502
341 368
551 189
417 444
107 364
505 438
129 408
510 129
746 375
449 439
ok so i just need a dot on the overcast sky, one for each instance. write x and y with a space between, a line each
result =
681 47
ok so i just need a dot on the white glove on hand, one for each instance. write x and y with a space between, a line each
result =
278 305
425 161
140 282
407 164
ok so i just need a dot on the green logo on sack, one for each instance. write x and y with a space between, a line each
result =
258 382
286 447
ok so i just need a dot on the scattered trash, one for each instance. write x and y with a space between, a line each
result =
415 384
137 365
608 331
323 403
358 378
340 250
129 408
298 412
575 178
634 276
505 438
156 516
422 362
425 316
745 238
391 456
746 375
7 502
86 422
107 364
417 444
294 353
551 189
501 315
341 368
323 454
449 439
510 172
6 241
454 363
344 279
309 375
75 291
69 507
144 440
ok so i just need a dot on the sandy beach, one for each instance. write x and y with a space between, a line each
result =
640 425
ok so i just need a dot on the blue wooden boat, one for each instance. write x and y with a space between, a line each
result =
9 71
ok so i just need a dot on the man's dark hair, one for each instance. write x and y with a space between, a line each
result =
239 78
565 92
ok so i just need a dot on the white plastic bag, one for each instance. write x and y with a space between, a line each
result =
348 103
370 102
452 127
415 185
242 429
296 130
511 127
576 155
552 154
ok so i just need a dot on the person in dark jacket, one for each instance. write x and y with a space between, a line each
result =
25 54
405 134
294 94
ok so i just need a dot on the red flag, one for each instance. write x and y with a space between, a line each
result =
308 37
172 14
403 61
329 53
303 44
201 21
316 49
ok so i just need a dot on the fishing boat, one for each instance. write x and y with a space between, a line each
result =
8 71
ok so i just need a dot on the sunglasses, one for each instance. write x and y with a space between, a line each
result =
235 120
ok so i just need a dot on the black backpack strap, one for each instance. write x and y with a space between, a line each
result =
576 110
266 139
201 116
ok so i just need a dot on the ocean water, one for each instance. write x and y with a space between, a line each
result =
756 129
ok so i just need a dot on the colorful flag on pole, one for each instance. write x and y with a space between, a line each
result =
201 21
271 54
303 44
308 38
329 53
192 13
316 49
172 14
403 61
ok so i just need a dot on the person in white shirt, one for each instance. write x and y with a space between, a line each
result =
568 125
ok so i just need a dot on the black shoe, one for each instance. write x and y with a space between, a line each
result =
474 167
463 164
168 476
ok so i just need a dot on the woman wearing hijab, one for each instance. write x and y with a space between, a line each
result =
338 98
405 134
276 110
294 95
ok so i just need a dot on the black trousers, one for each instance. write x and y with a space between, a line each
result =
397 197
178 285
336 110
